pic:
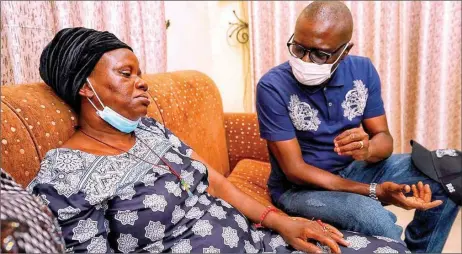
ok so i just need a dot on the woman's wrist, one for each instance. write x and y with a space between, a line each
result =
273 221
263 216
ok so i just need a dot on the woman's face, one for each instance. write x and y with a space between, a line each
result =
116 79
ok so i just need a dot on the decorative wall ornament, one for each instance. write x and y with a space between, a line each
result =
240 29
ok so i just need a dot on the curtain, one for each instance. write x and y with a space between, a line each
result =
26 28
414 45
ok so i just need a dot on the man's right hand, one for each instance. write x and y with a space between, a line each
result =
393 193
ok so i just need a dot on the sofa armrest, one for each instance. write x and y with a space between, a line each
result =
243 138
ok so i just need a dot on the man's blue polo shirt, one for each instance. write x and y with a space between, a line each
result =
315 116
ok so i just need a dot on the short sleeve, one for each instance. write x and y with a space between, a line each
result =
374 105
177 144
83 226
273 115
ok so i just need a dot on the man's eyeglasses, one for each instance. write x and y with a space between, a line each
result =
316 55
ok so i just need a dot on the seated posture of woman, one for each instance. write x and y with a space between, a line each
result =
124 182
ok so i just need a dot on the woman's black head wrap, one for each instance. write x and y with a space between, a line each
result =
71 56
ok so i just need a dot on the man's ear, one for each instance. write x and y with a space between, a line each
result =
86 91
347 50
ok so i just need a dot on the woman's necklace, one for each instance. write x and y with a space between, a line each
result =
182 181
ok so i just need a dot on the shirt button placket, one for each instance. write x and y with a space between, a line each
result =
331 111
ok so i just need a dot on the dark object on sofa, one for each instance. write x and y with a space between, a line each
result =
27 225
441 165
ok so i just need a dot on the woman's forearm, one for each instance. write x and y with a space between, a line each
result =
248 206
222 188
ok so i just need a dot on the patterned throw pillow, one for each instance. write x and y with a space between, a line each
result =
27 225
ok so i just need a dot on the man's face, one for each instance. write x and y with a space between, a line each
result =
322 36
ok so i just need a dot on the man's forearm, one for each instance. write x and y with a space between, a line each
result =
380 147
310 175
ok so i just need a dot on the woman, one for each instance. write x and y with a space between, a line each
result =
124 182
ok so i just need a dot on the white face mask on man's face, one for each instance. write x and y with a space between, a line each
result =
312 74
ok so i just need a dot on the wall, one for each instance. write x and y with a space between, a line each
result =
197 39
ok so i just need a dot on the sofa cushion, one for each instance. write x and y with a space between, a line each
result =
47 119
243 136
191 107
17 147
251 176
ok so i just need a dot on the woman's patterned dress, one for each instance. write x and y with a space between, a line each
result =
122 203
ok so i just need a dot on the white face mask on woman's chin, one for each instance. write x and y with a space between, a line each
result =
312 74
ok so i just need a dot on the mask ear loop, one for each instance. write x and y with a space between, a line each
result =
97 97
338 58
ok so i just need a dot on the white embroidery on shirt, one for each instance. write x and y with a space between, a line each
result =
355 100
302 115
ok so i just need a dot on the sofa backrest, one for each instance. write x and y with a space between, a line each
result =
35 120
191 107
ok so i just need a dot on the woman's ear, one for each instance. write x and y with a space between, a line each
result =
86 91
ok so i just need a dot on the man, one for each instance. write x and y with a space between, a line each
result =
330 148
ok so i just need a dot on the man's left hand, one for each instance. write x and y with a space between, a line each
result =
353 142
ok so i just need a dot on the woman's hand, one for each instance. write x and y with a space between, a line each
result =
298 231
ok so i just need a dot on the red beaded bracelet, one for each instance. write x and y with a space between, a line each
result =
264 214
